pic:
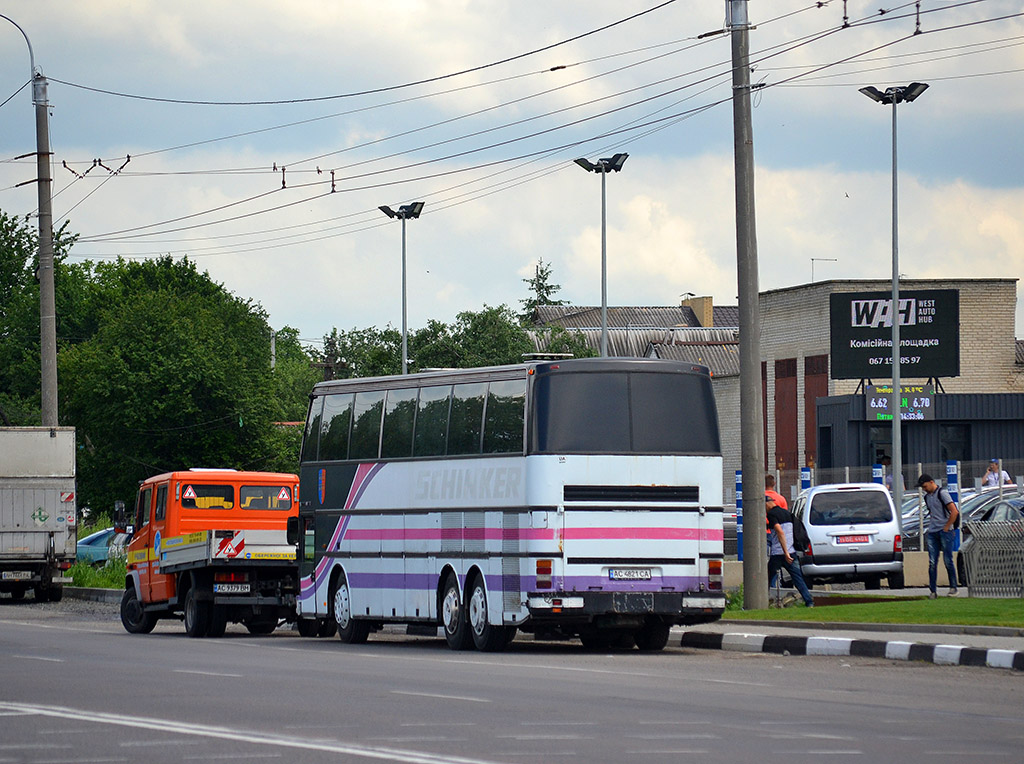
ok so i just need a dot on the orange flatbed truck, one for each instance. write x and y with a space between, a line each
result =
209 546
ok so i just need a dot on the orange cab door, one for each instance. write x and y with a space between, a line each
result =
141 546
161 585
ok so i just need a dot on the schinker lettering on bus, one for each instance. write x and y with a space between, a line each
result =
469 483
581 498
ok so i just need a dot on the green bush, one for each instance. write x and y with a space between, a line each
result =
110 576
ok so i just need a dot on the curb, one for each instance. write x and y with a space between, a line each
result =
918 628
946 655
93 595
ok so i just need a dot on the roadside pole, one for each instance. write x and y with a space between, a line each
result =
755 562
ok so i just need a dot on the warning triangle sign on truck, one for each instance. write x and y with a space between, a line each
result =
190 493
284 495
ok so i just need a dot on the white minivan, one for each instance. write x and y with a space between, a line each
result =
854 535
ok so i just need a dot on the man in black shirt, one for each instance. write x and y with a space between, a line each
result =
782 553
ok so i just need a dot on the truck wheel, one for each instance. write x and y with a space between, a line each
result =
134 620
453 616
42 593
487 637
197 615
350 630
218 622
653 635
56 593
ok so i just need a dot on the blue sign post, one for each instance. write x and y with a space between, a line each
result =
878 474
739 515
953 486
805 478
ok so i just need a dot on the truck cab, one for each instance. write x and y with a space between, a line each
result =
209 546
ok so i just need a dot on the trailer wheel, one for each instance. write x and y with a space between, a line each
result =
197 615
453 616
133 618
351 631
487 637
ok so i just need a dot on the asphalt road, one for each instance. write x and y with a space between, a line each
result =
74 687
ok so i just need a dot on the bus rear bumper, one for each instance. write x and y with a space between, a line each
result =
678 607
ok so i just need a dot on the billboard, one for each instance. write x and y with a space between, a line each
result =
861 334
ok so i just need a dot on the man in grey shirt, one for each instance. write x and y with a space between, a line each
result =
942 517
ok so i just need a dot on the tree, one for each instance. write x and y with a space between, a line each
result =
543 291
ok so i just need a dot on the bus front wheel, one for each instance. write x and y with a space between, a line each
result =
487 637
350 630
453 616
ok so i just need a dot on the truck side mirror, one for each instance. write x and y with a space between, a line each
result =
292 531
120 519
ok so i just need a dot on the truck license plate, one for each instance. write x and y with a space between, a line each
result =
17 575
231 588
629 574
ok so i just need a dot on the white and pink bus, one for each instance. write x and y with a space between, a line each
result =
571 498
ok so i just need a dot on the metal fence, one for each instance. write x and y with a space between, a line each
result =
994 559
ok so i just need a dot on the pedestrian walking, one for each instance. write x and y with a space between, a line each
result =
782 553
943 517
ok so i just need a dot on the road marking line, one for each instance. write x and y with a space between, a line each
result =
38 658
440 697
250 737
206 673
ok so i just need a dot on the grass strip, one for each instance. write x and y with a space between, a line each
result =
961 611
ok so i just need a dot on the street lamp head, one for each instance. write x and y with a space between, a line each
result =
387 210
586 164
411 211
895 95
615 162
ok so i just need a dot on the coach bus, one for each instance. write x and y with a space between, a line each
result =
578 498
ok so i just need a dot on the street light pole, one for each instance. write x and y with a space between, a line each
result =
603 166
47 300
405 212
895 96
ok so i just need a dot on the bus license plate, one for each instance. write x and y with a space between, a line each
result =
629 574
231 588
852 539
17 575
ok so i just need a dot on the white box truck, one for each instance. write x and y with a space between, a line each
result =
37 510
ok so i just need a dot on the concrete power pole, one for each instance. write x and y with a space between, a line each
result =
755 564
47 301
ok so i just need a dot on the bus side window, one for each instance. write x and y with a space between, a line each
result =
334 430
431 437
311 436
467 417
368 409
505 417
399 414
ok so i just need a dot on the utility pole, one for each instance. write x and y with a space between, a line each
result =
755 563
47 302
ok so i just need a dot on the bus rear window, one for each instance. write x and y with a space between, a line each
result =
198 496
265 497
624 412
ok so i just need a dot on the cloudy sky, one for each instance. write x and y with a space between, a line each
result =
263 136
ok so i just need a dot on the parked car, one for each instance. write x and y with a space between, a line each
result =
1005 510
854 535
971 505
97 547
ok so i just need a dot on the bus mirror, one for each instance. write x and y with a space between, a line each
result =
292 531
120 519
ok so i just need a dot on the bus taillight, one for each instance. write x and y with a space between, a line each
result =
544 574
715 575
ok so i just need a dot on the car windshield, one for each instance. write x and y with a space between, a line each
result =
846 507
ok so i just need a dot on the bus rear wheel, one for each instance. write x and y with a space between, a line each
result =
350 630
653 635
453 616
487 637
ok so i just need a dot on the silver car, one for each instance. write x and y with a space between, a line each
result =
854 534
